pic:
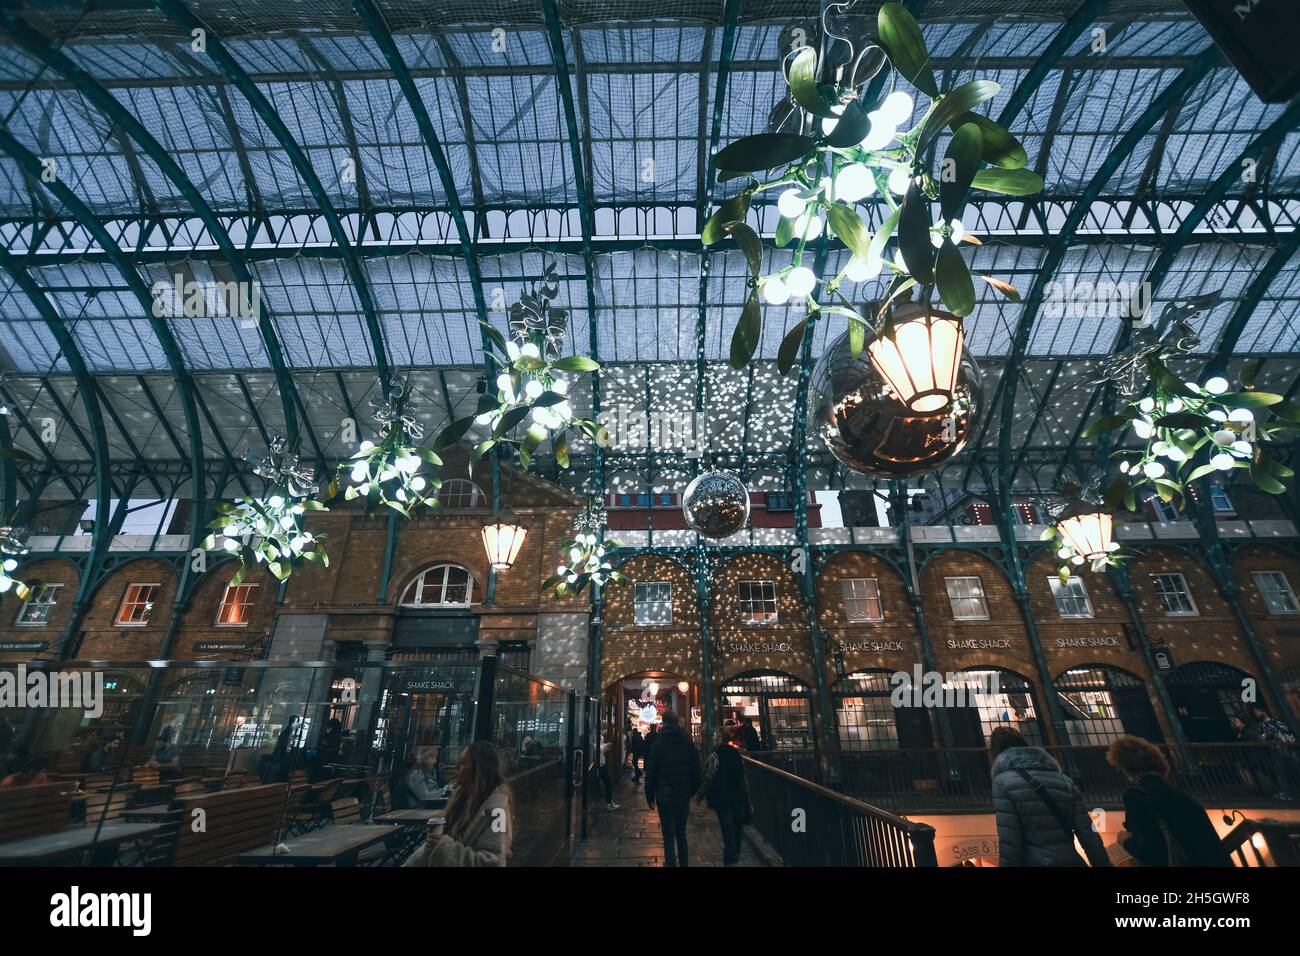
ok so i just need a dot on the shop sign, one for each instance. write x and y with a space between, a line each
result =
24 645
1163 657
873 646
1087 642
980 644
221 647
423 685
759 647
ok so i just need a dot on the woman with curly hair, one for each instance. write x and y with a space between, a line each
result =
1164 826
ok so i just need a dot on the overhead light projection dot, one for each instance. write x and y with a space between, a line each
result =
790 204
801 281
775 292
1217 385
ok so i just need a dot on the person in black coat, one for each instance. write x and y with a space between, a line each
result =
748 736
1165 827
635 748
672 777
727 793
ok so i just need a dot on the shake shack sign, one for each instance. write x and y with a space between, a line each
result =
868 646
423 685
758 647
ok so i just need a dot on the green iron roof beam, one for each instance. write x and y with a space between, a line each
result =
582 188
9 473
98 447
66 415
731 17
467 124
1232 330
252 409
40 47
1038 416
257 101
50 462
383 37
126 436
1167 99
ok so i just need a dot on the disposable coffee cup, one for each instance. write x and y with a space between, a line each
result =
435 826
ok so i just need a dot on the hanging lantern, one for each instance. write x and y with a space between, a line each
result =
502 540
1086 529
906 406
922 360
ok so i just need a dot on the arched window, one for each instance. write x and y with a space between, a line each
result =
1207 697
460 494
779 704
1102 703
992 697
443 585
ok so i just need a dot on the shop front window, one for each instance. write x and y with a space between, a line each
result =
137 604
38 608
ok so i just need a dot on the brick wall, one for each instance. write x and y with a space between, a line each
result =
739 648
892 643
627 648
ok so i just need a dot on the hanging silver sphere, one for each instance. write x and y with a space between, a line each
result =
905 405
716 504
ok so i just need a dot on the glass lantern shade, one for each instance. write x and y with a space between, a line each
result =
921 362
1089 534
502 540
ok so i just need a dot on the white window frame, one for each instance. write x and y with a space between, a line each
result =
52 590
745 596
1286 588
656 611
1185 590
862 593
1058 586
151 599
963 580
459 489
225 600
417 585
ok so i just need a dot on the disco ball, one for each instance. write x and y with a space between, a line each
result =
716 504
905 405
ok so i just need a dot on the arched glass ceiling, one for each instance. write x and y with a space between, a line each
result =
644 82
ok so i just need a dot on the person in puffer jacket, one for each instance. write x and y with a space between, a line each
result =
1029 832
672 777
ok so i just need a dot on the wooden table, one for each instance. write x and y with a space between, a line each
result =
329 846
157 813
104 844
434 803
406 817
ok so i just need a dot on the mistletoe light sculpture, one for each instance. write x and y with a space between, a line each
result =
269 531
12 547
534 382
387 473
846 151
588 562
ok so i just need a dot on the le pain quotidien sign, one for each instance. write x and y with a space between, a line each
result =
24 645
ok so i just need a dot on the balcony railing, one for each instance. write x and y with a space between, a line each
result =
913 781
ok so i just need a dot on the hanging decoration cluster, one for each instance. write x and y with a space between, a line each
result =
588 562
12 548
534 383
387 473
846 151
269 531
1190 431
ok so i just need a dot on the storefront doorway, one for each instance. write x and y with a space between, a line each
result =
639 701
1207 696
778 704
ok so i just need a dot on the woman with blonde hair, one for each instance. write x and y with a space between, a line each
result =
1163 826
479 825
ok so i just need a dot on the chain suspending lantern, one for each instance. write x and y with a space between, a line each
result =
534 382
386 474
833 151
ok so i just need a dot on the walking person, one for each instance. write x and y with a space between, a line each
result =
1162 825
726 791
672 777
748 736
1039 809
635 748
479 825
602 772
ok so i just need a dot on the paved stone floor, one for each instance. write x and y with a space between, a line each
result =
630 835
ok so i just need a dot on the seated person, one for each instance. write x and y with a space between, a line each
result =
422 781
166 757
33 775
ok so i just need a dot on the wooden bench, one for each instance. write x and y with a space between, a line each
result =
108 803
347 810
237 821
34 811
